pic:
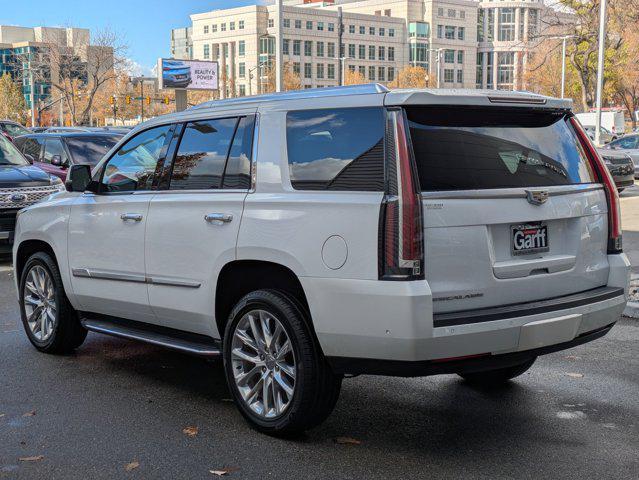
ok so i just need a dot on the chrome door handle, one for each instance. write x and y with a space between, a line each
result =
218 217
136 217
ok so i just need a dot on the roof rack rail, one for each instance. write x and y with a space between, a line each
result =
364 89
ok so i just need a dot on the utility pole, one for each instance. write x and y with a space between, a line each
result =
340 34
600 69
563 66
142 100
279 57
32 94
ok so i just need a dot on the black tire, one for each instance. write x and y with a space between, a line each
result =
67 332
497 377
316 388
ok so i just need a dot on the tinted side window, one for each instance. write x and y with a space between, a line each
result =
238 167
133 166
341 149
53 147
30 146
201 157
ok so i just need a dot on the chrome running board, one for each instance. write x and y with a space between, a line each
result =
194 344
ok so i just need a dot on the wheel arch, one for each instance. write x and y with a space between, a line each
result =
28 248
239 277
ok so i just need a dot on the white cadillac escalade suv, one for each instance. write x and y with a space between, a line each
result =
315 234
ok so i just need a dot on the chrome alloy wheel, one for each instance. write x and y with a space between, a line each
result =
263 364
39 303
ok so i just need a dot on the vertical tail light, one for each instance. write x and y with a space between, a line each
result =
612 196
401 248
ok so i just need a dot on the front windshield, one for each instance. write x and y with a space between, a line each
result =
9 154
15 130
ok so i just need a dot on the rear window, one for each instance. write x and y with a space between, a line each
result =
336 149
468 149
90 150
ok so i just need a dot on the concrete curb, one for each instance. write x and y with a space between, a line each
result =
632 308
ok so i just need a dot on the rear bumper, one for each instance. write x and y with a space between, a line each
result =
362 323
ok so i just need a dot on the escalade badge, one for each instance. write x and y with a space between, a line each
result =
536 197
18 198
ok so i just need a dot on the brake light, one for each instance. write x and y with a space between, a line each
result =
401 234
612 196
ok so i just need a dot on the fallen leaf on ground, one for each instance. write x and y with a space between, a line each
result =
575 375
347 441
131 466
2 415
31 459
223 471
572 357
29 414
190 431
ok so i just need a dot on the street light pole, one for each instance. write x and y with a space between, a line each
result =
600 69
563 66
278 48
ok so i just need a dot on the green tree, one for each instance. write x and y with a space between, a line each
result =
12 104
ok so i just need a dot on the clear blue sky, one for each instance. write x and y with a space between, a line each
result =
145 25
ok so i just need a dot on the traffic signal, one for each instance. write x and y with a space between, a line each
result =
166 100
128 99
112 100
148 100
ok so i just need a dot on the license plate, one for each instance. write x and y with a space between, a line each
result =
529 238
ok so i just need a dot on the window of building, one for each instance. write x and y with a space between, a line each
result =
462 14
296 68
241 70
418 55
330 73
319 50
241 48
391 54
461 33
378 13
481 18
308 70
371 52
452 13
351 29
382 31
449 56
214 28
309 25
340 151
231 25
460 56
371 30
449 32
391 32
362 70
351 50
371 73
298 23
351 68
449 75
241 25
320 26
381 53
489 69
286 44
297 47
242 89
418 30
440 31
308 48
362 30
331 27
331 50
506 24
362 52
381 74
391 74
286 23
319 68
133 166
505 70
440 12
207 50
206 29
490 24
223 27
460 76
479 74
533 23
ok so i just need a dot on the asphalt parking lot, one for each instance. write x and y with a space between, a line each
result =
117 409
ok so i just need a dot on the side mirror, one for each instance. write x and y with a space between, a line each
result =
79 179
56 160
29 158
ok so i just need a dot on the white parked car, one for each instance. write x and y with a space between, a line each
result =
315 234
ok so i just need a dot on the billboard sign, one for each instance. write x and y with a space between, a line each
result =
187 74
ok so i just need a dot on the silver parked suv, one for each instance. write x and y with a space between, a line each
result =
308 235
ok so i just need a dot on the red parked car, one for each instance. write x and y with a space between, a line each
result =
56 152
